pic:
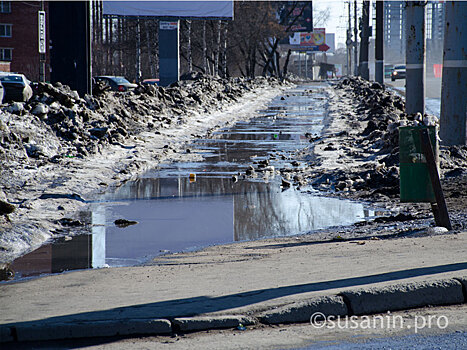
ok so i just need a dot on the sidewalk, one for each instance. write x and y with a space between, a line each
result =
268 281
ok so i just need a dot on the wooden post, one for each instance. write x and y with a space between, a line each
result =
440 211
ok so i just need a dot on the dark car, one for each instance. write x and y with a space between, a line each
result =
388 68
153 81
16 87
115 83
398 73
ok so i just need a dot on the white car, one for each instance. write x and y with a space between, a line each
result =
16 87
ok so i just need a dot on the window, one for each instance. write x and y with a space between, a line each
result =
5 30
5 54
5 6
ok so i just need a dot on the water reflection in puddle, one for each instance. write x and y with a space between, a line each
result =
179 213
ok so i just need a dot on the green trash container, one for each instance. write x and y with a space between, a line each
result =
415 182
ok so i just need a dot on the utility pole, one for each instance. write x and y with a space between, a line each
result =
364 72
42 43
415 57
379 44
310 29
349 44
453 121
355 32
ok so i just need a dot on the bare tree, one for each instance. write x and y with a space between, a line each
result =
248 45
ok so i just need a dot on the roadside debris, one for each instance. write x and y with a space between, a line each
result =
122 223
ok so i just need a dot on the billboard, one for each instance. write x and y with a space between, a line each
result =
311 41
297 16
176 9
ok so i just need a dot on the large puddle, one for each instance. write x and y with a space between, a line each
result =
178 212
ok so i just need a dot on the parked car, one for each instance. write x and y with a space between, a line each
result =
388 68
1 92
115 83
16 87
153 81
398 73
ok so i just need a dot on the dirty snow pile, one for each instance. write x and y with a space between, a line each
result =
79 126
358 155
58 130
57 123
367 149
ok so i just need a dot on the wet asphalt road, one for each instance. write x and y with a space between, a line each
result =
457 340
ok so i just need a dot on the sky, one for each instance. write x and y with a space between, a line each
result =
338 20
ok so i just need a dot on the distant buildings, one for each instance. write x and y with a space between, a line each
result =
19 38
435 30
394 31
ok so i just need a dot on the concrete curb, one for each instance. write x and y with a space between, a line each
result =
353 302
201 323
54 331
404 296
463 281
302 311
6 335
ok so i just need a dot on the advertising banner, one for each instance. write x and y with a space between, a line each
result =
314 41
168 25
297 16
42 41
177 9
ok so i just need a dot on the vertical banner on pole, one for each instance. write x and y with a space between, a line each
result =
42 45
42 39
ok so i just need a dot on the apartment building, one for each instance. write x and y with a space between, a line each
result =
19 38
394 30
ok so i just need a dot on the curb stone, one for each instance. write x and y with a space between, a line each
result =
201 323
463 281
5 335
53 331
302 311
403 296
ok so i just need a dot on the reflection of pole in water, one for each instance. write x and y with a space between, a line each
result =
98 237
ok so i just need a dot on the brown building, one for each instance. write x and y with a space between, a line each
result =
19 38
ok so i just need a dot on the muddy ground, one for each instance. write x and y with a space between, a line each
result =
59 149
357 157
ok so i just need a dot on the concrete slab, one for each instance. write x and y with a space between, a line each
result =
404 296
302 311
